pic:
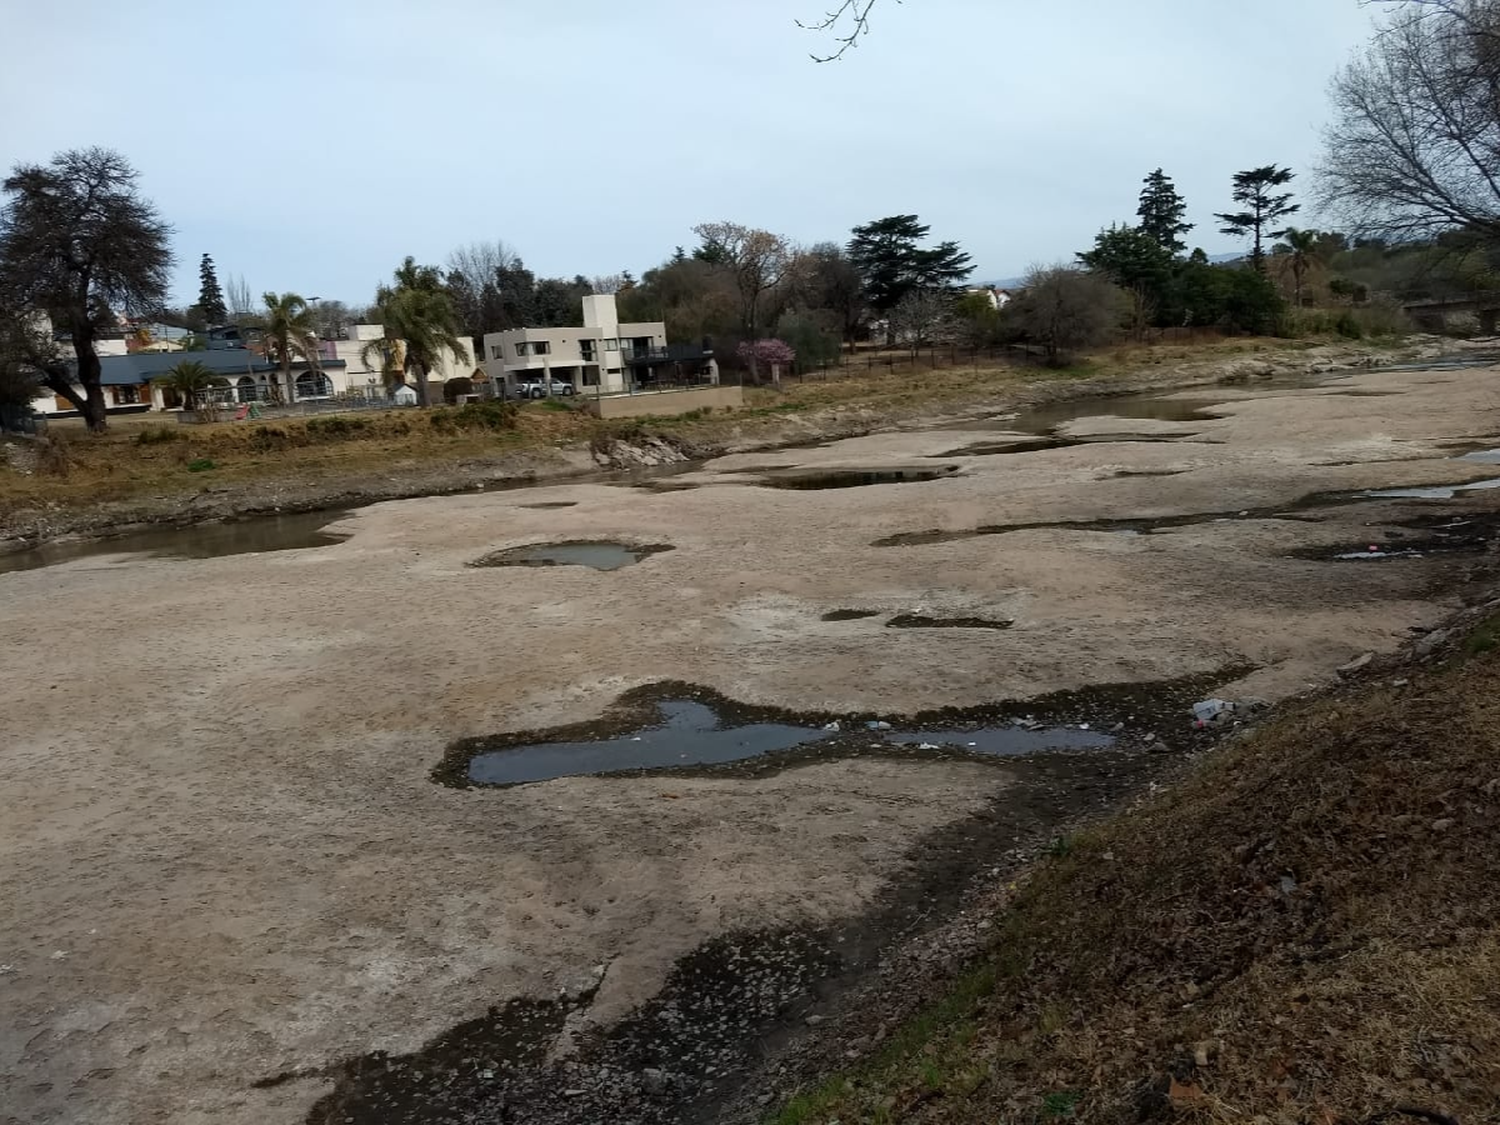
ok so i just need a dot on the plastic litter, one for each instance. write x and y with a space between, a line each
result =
1212 712
834 726
876 724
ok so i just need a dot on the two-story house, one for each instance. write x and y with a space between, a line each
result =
603 356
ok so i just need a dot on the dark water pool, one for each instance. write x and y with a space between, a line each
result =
813 479
202 541
598 554
689 733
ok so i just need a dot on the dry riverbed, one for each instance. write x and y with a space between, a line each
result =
243 847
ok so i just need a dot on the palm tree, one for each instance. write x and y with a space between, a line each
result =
1301 246
423 319
190 379
290 330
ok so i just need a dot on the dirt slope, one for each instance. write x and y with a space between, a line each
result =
1307 930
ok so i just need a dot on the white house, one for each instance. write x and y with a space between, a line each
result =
130 382
603 356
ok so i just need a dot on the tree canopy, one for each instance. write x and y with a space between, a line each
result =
1161 213
890 258
78 245
1261 206
1415 140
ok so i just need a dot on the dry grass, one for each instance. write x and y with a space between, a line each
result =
145 455
1306 931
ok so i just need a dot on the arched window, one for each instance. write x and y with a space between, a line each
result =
245 390
313 384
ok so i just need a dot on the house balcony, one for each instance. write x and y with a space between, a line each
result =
672 353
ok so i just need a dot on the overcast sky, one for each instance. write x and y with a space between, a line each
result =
310 144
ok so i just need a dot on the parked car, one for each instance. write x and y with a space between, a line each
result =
537 388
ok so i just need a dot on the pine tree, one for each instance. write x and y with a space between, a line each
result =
1161 212
892 264
210 296
1252 190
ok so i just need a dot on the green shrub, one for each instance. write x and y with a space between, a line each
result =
266 438
159 435
476 416
337 427
1348 326
201 465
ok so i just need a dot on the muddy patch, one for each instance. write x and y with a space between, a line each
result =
805 480
201 541
551 505
694 1049
920 621
1037 444
850 614
597 554
1472 534
1431 491
459 1069
1127 526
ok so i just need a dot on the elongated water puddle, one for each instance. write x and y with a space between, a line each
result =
598 554
201 541
683 734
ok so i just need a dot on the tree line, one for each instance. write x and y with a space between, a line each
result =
1409 167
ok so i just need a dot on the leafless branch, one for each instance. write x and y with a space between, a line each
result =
851 14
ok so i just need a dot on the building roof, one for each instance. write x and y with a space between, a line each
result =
142 367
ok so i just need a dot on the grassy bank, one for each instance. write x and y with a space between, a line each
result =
1307 930
154 458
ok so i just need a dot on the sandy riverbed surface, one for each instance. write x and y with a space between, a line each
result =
221 854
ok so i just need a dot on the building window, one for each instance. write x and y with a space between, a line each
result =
586 350
541 347
127 396
521 349
611 345
497 351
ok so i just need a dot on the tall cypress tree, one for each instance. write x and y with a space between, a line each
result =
1161 213
210 296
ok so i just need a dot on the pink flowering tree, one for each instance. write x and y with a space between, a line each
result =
760 355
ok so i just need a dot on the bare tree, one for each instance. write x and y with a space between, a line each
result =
757 259
478 262
919 314
1414 149
850 22
473 277
1065 310
608 283
237 292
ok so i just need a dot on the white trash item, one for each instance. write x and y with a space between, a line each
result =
1212 711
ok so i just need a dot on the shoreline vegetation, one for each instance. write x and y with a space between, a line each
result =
149 469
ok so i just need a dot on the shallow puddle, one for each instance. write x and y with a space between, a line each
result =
1128 526
850 614
689 734
551 505
807 480
1431 491
201 541
598 554
920 621
1038 444
680 729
